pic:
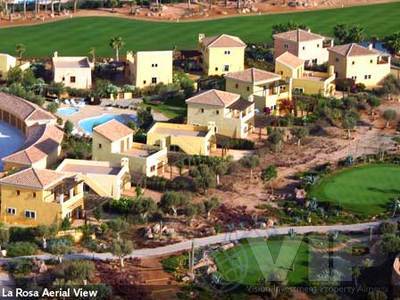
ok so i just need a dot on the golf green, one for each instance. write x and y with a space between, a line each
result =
77 35
364 190
255 259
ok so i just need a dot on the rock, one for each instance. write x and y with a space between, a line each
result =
227 246
186 279
270 223
170 231
149 234
157 228
262 225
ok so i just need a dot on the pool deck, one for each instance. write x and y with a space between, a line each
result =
90 111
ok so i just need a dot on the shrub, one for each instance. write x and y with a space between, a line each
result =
22 266
388 228
238 144
21 249
120 206
20 234
59 246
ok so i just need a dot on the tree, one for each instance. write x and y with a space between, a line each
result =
20 50
275 138
118 226
345 34
52 107
269 174
171 201
44 232
356 275
204 177
68 127
373 101
340 33
283 27
376 295
76 270
121 248
4 236
250 162
144 117
56 88
299 133
390 86
117 43
59 247
392 42
390 244
92 53
389 115
210 205
349 122
143 207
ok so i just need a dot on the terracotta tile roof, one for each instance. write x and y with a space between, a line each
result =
23 109
290 60
214 97
113 130
41 141
223 40
71 62
253 75
33 178
241 105
298 35
352 49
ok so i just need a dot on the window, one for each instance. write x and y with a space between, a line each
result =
217 112
367 77
314 61
11 211
216 68
100 146
286 46
317 45
354 77
304 48
152 168
154 65
337 59
226 68
202 110
63 79
18 192
353 62
144 81
248 88
30 214
34 194
154 80
236 85
227 52
72 79
371 61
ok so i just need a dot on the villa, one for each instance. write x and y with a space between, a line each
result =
221 54
34 197
231 115
311 47
264 88
100 176
43 138
147 68
73 71
113 142
190 139
291 67
364 65
8 62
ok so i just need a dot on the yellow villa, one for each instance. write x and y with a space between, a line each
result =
264 88
231 115
221 54
7 62
190 139
364 65
113 142
34 197
291 67
147 68
74 72
311 47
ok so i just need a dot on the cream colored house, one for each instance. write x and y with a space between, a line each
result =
264 88
7 62
113 142
101 177
150 67
291 67
74 72
34 197
311 47
221 54
363 65
190 139
231 115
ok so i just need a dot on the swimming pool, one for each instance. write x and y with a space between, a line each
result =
67 111
88 124
11 140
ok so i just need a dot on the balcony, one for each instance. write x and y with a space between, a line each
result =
383 60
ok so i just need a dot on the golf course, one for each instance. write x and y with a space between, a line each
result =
255 259
76 36
365 190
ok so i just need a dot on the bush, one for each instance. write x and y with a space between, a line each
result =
388 228
22 266
20 234
238 144
21 249
120 206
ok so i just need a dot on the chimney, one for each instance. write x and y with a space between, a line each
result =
370 46
201 37
125 162
55 54
309 30
163 143
130 56
331 70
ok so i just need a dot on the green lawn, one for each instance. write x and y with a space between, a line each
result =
365 190
75 36
248 262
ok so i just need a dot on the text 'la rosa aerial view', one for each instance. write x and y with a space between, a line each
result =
200 149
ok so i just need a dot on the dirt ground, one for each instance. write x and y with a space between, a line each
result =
181 12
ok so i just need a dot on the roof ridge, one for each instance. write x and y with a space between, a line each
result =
37 177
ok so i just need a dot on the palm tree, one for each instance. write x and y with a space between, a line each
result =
117 43
75 6
395 206
25 8
20 50
92 53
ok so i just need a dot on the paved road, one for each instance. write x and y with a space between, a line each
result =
216 239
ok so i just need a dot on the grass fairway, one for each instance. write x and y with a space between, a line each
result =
365 190
254 259
77 35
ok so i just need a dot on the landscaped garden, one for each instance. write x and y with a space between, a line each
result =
364 190
256 259
78 35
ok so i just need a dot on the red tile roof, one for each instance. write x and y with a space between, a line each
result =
352 49
113 130
215 98
223 40
298 35
290 60
253 75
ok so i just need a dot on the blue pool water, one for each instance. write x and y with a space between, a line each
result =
88 124
67 111
11 140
